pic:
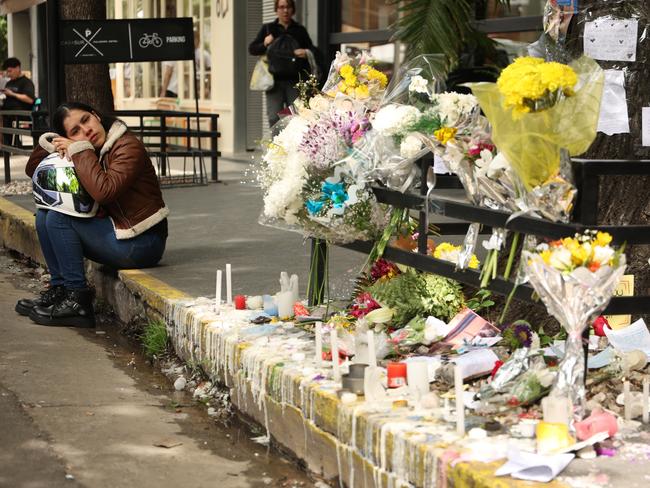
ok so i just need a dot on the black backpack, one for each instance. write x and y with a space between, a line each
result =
282 62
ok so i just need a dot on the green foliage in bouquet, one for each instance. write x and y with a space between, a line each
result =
411 294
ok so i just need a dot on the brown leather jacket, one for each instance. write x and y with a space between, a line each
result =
121 179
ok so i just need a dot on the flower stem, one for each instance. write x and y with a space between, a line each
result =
511 256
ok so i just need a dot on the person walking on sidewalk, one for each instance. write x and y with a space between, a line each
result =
129 230
291 54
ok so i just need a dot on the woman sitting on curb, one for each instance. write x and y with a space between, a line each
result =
129 230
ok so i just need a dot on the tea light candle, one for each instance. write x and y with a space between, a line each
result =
460 405
334 348
217 297
627 399
372 355
646 401
270 308
228 284
552 437
319 344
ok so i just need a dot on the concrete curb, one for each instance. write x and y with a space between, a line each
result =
333 440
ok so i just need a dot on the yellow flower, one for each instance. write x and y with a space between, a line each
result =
346 70
445 134
349 91
361 92
530 80
603 239
351 81
579 255
474 263
342 86
546 256
374 74
444 248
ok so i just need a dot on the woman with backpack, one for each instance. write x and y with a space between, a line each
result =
290 54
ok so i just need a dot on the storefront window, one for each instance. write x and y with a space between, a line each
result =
360 15
145 80
491 9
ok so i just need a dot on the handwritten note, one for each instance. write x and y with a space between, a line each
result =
609 39
625 288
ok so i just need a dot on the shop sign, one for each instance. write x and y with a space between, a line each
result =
127 40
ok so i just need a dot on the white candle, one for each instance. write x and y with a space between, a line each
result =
217 297
372 355
460 406
334 348
627 399
285 304
646 401
228 284
319 344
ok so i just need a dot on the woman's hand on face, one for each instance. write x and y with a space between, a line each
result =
61 145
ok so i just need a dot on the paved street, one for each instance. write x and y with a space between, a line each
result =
85 405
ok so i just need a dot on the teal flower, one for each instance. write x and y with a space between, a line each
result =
314 206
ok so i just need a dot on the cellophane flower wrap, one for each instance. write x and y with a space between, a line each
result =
537 109
313 178
395 141
575 278
356 78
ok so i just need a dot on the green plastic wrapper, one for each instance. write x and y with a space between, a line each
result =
532 142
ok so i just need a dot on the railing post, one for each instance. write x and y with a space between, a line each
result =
214 151
423 224
163 145
7 158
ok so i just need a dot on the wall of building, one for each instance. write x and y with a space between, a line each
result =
19 42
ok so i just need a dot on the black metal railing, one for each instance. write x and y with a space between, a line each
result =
169 134
17 127
442 203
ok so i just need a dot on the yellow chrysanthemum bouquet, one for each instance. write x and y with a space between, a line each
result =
538 110
575 277
355 77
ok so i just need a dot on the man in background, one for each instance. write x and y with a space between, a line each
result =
20 94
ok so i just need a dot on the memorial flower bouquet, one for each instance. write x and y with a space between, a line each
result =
355 77
395 141
312 176
575 277
541 113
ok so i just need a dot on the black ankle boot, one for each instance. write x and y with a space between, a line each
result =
75 310
48 298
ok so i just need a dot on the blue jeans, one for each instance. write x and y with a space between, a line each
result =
66 240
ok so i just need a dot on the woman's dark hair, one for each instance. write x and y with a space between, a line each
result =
64 109
290 3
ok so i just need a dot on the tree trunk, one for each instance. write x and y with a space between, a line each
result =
622 200
87 83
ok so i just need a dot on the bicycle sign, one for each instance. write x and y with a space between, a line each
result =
126 40
150 40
